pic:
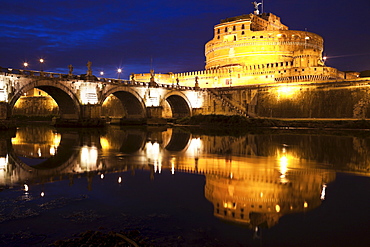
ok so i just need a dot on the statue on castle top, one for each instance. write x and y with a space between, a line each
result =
256 10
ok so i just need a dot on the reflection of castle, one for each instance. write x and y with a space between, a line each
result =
256 49
260 198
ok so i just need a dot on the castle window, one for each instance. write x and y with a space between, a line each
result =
243 33
281 64
242 216
218 31
277 64
253 37
261 37
243 26
287 63
234 38
225 29
302 69
218 37
234 28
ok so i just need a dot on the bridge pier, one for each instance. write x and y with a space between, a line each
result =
4 110
91 111
154 115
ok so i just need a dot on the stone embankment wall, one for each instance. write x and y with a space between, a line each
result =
314 102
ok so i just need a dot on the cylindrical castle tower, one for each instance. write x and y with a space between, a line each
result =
261 39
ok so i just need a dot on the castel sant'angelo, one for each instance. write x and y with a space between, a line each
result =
255 49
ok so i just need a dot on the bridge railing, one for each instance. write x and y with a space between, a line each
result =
35 73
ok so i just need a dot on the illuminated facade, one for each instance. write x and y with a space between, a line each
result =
256 49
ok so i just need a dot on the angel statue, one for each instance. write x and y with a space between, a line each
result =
256 11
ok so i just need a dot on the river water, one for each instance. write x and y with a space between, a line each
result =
178 187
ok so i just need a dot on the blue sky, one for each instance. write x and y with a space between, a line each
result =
168 36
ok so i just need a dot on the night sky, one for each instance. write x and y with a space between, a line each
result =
166 35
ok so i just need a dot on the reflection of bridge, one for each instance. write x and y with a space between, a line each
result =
255 191
81 98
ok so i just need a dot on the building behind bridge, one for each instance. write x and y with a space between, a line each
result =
257 49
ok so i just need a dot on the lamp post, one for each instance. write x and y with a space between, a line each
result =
25 65
119 73
41 64
101 73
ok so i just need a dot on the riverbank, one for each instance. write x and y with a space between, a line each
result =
221 121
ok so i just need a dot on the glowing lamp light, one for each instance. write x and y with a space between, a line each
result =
42 194
26 188
101 176
277 208
119 180
305 205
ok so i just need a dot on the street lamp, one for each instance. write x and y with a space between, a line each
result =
25 65
101 73
41 63
324 58
119 73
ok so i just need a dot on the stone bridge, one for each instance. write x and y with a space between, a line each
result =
81 97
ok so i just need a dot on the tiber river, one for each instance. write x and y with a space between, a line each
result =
180 188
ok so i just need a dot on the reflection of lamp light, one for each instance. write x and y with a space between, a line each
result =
3 163
323 192
172 166
119 180
153 152
88 158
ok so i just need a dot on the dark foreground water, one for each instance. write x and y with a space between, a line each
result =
177 188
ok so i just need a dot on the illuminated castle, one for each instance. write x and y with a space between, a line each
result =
256 49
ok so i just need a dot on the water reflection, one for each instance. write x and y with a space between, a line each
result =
252 180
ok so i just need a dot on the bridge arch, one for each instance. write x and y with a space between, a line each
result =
179 103
131 101
68 103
